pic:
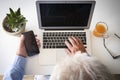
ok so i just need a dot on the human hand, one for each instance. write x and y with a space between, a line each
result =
21 49
74 45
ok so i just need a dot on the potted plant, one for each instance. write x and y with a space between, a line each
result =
14 23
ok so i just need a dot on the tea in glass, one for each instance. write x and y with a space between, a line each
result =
100 29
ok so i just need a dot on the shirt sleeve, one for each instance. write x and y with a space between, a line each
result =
16 71
41 77
81 65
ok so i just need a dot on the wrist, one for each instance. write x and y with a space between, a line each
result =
22 55
82 52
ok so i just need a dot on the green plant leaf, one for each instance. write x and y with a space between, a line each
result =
8 15
12 12
18 12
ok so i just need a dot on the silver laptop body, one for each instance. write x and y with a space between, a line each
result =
62 17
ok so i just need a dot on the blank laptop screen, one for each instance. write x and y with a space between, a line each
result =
64 14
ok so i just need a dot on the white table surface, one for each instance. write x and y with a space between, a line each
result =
105 10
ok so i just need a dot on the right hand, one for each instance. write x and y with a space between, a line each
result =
74 45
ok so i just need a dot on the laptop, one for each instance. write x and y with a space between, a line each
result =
57 21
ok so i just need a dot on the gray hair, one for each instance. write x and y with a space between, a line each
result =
80 67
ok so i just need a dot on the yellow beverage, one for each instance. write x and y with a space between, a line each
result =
100 29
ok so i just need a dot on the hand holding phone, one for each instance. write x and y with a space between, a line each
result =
30 43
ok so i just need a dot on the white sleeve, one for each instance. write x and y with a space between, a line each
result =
83 64
41 77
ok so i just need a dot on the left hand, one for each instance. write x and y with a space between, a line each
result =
21 49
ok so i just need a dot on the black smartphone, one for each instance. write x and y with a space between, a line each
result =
30 43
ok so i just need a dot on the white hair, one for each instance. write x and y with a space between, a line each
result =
80 67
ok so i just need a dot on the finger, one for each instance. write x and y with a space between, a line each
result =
22 40
76 40
38 44
68 51
82 46
72 41
79 41
68 45
37 40
35 35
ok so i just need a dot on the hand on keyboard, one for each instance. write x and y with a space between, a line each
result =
74 44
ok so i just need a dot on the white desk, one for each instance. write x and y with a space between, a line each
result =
105 10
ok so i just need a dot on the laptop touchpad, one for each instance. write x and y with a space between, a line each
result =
47 57
60 55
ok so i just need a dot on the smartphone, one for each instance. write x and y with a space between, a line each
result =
30 43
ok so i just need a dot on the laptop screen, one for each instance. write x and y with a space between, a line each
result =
60 15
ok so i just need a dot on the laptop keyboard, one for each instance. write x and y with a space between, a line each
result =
57 39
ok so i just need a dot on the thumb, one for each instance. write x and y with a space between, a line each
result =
22 40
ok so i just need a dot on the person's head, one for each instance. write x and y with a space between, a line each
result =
80 69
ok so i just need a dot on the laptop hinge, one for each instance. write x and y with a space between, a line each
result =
62 29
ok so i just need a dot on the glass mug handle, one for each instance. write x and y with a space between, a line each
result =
105 35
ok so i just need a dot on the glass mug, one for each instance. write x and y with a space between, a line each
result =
100 29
